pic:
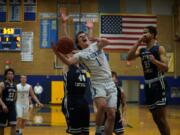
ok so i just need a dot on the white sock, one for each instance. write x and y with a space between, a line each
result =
20 130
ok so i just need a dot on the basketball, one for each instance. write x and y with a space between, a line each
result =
65 45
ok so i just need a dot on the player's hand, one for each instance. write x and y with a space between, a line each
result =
5 109
142 38
89 24
40 105
64 18
124 122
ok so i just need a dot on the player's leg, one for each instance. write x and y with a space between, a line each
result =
13 130
3 119
109 123
158 101
111 108
19 109
74 126
12 119
1 130
85 117
159 116
101 107
99 99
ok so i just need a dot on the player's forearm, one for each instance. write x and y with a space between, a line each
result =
36 99
124 105
90 33
132 51
124 109
64 29
1 102
162 66
64 59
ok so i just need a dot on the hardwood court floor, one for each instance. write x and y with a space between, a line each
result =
50 121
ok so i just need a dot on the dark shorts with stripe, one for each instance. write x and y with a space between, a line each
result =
155 94
77 114
8 119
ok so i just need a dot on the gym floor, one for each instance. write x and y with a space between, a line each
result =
50 121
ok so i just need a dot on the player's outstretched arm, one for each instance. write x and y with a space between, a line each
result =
62 57
34 97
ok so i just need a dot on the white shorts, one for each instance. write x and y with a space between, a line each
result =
106 89
22 111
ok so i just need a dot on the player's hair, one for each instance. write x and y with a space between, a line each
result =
152 30
76 39
114 74
8 70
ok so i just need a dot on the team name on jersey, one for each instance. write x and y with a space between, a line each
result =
94 54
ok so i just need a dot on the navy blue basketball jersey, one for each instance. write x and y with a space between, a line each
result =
9 93
150 70
75 81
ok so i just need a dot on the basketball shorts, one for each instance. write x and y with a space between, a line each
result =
155 94
8 119
22 111
77 113
106 89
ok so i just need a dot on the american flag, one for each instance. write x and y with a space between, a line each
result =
124 30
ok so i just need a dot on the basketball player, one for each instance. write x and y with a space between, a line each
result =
74 106
104 90
120 120
8 93
154 64
22 103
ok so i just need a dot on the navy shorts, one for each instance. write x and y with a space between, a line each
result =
155 94
77 114
8 119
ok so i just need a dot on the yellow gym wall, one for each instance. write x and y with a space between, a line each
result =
43 58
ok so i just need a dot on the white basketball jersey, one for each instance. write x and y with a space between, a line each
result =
96 62
23 94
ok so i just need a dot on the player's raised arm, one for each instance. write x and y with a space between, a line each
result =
102 42
64 19
90 25
134 51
